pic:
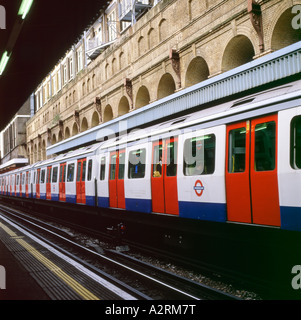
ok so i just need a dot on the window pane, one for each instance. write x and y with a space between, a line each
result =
237 150
265 139
54 174
296 143
70 175
121 165
89 170
172 152
84 170
102 168
137 164
113 166
42 176
79 167
157 161
199 155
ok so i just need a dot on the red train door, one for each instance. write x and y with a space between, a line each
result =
38 184
251 172
116 179
62 187
80 181
48 183
164 176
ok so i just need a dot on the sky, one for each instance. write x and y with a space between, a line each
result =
48 31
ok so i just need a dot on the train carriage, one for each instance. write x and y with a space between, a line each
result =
192 167
230 172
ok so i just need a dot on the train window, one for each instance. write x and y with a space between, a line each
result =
54 174
102 168
70 172
265 146
137 164
23 178
79 167
18 177
199 155
43 176
113 166
237 150
121 165
157 161
172 153
84 171
295 154
89 170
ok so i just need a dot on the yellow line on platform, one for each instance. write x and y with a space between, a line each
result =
77 287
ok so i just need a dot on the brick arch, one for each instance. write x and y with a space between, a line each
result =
142 97
163 29
166 86
283 34
95 119
124 106
84 125
271 22
151 38
108 113
196 72
74 129
238 51
53 139
67 133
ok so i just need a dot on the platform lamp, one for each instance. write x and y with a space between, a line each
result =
24 8
4 61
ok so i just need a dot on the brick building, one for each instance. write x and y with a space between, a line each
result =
136 53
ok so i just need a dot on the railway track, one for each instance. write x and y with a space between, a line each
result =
141 279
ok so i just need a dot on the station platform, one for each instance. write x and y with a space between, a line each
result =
36 271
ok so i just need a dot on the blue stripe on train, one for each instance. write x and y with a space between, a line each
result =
90 200
140 205
71 198
54 197
103 202
290 218
203 211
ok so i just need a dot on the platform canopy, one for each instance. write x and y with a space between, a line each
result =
264 71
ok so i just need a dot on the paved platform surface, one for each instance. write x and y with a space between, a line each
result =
19 284
36 271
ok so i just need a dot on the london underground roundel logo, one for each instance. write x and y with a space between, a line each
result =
198 188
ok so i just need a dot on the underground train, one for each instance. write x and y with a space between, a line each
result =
239 161
219 187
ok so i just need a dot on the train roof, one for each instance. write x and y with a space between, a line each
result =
83 151
268 101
